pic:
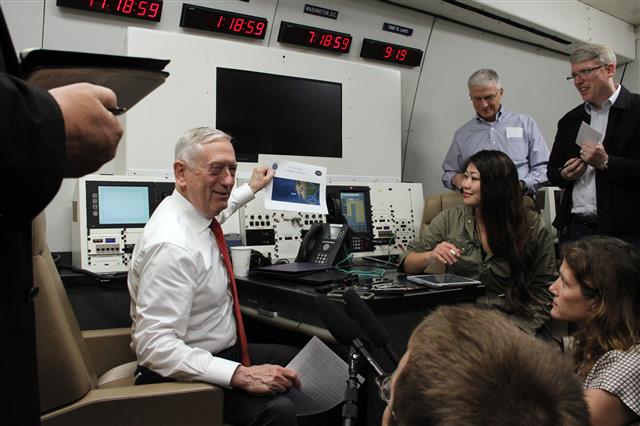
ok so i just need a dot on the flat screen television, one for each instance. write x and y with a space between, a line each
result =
277 114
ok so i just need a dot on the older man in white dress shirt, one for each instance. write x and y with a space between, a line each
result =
185 326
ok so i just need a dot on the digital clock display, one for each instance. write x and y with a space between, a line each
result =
387 52
204 18
149 10
314 37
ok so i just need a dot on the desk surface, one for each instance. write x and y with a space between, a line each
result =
287 303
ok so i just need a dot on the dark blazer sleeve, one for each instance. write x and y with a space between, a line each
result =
622 141
564 146
32 142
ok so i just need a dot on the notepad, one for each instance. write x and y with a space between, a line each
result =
131 78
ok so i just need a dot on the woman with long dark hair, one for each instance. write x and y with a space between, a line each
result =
493 238
599 291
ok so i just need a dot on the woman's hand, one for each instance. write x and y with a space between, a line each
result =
446 253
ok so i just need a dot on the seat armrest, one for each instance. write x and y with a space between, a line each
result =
109 347
162 403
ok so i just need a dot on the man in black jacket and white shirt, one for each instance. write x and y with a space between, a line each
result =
599 177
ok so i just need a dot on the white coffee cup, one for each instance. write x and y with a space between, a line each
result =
240 257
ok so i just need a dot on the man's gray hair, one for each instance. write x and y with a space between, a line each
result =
484 77
587 52
189 145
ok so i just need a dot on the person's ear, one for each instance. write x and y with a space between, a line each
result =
179 171
611 70
592 305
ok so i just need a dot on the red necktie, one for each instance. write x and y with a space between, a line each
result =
222 246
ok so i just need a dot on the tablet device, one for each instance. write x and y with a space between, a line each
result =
442 281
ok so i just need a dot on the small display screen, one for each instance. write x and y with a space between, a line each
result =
352 205
204 18
333 232
314 37
388 52
149 10
123 205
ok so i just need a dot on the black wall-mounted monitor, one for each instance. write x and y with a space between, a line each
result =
278 114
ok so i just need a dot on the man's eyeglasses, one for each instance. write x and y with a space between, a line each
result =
585 72
487 98
384 390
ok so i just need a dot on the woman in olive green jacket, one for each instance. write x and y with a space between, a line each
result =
494 239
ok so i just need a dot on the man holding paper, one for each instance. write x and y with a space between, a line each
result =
596 152
185 311
496 128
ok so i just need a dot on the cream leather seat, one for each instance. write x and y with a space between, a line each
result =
86 378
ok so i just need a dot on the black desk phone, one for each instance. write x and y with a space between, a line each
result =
325 244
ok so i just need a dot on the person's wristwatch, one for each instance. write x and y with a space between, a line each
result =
605 165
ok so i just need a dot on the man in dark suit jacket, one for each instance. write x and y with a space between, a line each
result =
600 176
44 137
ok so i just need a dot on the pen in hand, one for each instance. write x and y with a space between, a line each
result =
117 110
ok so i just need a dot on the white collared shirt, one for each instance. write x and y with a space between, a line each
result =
584 190
181 306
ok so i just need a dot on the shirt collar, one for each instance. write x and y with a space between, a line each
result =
606 104
194 217
498 115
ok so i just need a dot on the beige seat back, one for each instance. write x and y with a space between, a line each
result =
65 366
70 392
434 204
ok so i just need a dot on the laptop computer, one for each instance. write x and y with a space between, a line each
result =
292 268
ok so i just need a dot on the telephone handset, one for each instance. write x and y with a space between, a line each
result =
324 244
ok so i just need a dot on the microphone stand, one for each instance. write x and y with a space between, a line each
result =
357 352
350 406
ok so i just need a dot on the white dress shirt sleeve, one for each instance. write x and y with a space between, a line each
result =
239 197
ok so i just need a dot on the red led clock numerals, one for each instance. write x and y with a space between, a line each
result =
142 8
391 53
241 25
336 42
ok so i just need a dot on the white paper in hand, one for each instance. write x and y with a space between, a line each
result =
323 377
587 134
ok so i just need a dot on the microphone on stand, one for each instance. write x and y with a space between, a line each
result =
343 329
377 334
345 332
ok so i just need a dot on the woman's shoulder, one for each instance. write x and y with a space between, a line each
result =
455 214
459 211
618 372
620 356
618 362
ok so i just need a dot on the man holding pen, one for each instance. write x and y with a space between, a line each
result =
599 176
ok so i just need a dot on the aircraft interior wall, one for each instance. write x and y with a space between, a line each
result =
429 104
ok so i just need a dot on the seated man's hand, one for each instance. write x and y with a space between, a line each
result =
264 379
260 177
